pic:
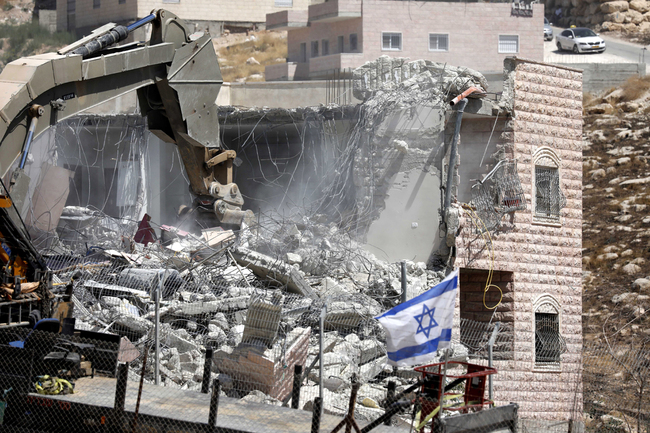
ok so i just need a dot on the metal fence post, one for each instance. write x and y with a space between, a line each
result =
158 294
403 266
315 418
320 351
390 396
297 383
214 406
120 397
207 370
493 337
443 384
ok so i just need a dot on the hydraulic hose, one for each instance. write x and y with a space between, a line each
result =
115 35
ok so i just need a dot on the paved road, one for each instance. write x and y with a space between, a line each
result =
618 51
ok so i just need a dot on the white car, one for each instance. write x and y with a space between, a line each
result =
548 31
580 40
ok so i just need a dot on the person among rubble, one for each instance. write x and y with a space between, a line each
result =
145 234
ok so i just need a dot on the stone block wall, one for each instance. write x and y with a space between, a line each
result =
230 11
545 104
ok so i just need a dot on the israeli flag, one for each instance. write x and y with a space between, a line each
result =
417 328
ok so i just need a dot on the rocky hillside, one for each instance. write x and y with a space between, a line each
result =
20 36
616 212
244 56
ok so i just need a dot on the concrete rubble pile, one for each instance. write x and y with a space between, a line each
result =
257 304
255 297
421 80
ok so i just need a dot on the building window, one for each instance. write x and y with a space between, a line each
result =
549 344
283 3
325 47
303 52
121 2
72 6
314 48
353 42
547 194
97 4
341 44
438 42
547 189
391 41
508 44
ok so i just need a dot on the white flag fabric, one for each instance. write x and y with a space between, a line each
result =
417 328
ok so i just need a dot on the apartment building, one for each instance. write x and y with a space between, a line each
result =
340 34
231 13
211 15
83 15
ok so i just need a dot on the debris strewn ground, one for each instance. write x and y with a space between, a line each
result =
254 312
255 295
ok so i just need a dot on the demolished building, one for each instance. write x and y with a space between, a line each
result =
342 194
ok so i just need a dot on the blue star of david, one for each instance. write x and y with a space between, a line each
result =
420 318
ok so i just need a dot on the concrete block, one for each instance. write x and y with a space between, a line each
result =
277 270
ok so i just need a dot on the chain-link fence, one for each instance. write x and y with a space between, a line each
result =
286 355
616 392
284 362
196 333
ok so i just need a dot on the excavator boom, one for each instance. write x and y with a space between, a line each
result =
177 78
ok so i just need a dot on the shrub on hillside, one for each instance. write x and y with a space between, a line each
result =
29 38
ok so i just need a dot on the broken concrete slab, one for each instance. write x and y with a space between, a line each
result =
347 315
134 324
236 334
215 337
200 308
189 366
127 352
263 320
112 290
330 339
217 237
372 369
370 349
149 279
293 258
267 267
219 320
174 338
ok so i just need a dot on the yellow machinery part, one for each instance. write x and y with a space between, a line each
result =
5 201
19 268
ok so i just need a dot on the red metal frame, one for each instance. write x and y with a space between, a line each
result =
432 391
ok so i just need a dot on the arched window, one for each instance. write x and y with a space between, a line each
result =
549 344
548 199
